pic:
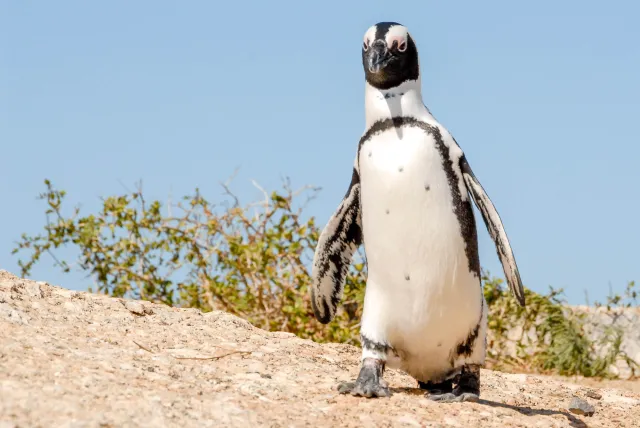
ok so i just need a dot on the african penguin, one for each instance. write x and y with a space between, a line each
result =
409 204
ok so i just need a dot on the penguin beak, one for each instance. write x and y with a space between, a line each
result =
378 57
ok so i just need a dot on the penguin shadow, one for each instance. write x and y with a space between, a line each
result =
527 411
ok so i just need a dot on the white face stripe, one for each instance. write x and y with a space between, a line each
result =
398 33
370 35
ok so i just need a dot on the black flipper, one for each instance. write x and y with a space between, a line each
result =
338 241
496 230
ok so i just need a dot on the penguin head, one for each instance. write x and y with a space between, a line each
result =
389 55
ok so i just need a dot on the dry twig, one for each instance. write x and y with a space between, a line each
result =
214 357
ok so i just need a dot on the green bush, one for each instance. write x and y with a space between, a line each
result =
547 336
253 261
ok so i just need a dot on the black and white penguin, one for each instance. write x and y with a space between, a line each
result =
409 204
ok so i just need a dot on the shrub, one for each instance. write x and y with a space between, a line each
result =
547 336
253 261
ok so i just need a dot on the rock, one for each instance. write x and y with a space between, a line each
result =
511 402
8 313
593 394
581 407
134 307
102 366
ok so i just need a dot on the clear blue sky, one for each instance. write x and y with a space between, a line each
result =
544 97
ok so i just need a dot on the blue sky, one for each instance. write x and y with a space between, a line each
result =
542 96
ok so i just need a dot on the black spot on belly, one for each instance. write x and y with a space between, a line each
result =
462 208
427 187
387 211
400 169
407 277
369 153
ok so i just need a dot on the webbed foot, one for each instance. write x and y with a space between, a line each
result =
369 383
437 388
450 397
467 387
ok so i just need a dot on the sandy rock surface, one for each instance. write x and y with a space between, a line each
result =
74 359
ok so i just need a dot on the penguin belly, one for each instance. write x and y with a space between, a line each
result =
421 297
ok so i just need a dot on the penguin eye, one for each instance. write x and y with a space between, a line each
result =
402 47
365 45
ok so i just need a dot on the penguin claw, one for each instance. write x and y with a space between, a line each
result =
450 397
365 389
369 383
346 387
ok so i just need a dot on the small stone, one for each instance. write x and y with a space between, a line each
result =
151 369
134 307
511 402
581 407
593 394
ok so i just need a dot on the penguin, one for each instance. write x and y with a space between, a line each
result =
409 204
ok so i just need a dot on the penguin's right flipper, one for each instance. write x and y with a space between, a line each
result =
496 230
338 241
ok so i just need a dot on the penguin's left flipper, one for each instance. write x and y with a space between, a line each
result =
496 230
369 383
338 241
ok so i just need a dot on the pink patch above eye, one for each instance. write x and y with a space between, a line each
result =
400 42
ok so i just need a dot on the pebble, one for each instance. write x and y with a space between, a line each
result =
581 407
134 307
593 394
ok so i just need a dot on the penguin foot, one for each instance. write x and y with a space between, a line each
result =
437 388
369 383
467 387
451 397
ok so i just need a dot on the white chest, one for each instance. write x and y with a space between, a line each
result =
412 237
407 205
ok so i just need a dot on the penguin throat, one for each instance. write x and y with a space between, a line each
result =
404 100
